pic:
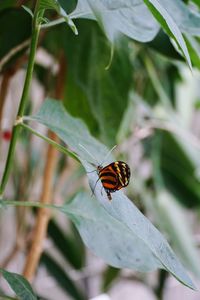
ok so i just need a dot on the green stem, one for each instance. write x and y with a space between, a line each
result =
5 203
45 138
24 98
53 23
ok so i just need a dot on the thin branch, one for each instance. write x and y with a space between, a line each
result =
43 216
24 98
3 92
13 52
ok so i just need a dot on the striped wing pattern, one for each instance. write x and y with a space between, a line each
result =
114 176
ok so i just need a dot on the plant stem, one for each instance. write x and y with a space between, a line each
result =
161 284
50 141
24 98
5 203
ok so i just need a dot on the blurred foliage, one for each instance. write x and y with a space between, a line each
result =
138 93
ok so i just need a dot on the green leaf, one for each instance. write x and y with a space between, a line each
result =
197 2
54 4
115 230
109 275
179 170
163 45
61 277
169 25
131 18
194 50
19 285
69 5
187 20
28 10
5 297
107 237
121 235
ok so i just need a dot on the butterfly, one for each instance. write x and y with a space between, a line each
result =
113 177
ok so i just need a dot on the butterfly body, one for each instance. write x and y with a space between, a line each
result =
114 176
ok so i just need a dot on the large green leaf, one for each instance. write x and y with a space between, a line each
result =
108 237
169 25
19 285
140 245
131 18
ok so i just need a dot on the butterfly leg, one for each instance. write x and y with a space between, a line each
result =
109 195
107 192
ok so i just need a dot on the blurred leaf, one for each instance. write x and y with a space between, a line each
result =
61 277
97 86
126 121
145 249
131 18
169 25
196 2
194 50
173 219
69 5
5 297
163 45
187 20
14 29
28 10
109 275
76 101
70 248
178 171
7 4
19 285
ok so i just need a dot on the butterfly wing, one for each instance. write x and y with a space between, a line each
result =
109 177
115 176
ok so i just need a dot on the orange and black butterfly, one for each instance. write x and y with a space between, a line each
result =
114 176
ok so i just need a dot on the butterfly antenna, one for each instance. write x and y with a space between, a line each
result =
88 153
107 155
